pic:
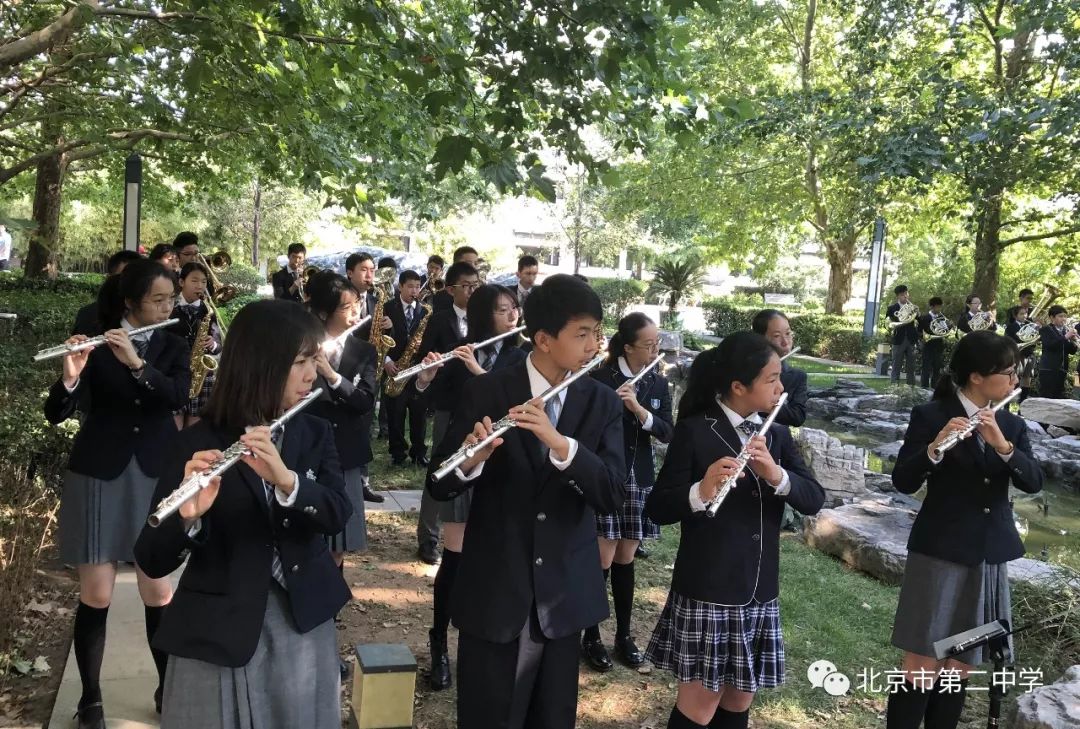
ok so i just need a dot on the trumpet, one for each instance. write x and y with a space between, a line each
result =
218 264
907 314
790 353
958 435
196 482
505 424
64 349
443 358
742 459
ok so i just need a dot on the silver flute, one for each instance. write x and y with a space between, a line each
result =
345 334
790 353
443 358
742 459
196 482
64 349
958 435
643 371
505 424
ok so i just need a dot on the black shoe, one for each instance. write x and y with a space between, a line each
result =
596 655
91 716
157 700
373 497
343 669
640 552
428 554
381 434
398 462
421 461
440 662
627 651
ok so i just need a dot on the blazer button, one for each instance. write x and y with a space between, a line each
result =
135 429
753 493
295 568
285 523
539 562
986 509
756 537
334 424
573 482
986 481
138 402
541 516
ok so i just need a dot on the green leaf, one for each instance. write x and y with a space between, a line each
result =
451 154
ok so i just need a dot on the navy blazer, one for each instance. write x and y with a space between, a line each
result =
282 280
441 301
966 517
370 302
734 557
531 537
793 412
907 332
87 321
1056 350
402 333
445 390
442 334
217 612
125 416
349 406
930 345
190 321
653 394
964 323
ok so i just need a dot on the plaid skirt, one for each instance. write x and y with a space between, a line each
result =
630 521
202 397
720 645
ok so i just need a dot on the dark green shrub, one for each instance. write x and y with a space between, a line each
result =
724 317
244 277
617 294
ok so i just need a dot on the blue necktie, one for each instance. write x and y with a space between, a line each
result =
408 317
276 568
552 409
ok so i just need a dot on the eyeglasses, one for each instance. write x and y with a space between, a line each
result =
466 286
1011 374
655 344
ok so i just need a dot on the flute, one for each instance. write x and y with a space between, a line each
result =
790 353
64 349
443 358
196 482
341 337
742 459
958 435
506 423
644 371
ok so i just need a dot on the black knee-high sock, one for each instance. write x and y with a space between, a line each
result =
89 641
907 707
622 594
724 719
592 633
945 706
444 588
679 720
161 658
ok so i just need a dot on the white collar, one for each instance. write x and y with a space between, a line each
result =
734 418
969 407
181 301
538 384
459 311
404 305
127 327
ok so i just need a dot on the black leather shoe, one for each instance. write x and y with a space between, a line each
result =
343 669
91 716
440 662
398 462
428 554
421 461
157 700
627 651
596 655
381 434
640 552
373 497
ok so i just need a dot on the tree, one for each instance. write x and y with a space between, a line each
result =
677 276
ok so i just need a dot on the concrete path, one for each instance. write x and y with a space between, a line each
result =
128 676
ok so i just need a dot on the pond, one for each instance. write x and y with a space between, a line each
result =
1052 517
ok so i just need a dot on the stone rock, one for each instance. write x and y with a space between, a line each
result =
879 402
837 467
823 408
1036 573
1056 706
1035 431
880 482
1055 432
1063 457
888 451
881 428
1063 413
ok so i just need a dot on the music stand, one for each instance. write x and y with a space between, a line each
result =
994 635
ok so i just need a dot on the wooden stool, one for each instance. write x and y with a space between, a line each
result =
384 682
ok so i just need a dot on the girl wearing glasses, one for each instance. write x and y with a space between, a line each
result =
646 415
956 576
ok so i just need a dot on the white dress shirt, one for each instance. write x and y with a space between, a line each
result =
462 322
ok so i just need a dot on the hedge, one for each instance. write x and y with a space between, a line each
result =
617 294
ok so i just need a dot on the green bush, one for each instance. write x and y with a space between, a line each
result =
229 310
617 294
724 317
244 277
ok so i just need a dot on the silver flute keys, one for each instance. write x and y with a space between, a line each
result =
505 424
196 482
443 358
742 459
958 435
63 349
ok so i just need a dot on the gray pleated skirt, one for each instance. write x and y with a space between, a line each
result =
354 537
100 520
941 598
292 681
456 511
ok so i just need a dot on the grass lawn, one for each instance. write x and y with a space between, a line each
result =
813 366
880 384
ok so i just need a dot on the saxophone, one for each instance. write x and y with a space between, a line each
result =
393 387
201 362
383 343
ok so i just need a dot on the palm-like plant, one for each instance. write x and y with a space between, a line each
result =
677 276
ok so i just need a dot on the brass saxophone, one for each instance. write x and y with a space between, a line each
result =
383 343
201 362
393 387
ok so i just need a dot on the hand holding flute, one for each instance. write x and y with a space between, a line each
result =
984 421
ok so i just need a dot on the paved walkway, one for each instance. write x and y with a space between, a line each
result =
128 676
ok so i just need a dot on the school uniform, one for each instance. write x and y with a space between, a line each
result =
368 302
904 340
964 323
521 293
282 281
191 315
442 301
1054 362
725 587
407 404
956 577
653 394
116 456
250 630
793 411
933 353
1026 368
87 321
445 332
347 405
529 579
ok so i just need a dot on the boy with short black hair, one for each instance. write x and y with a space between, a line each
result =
529 579
288 282
904 337
934 346
527 270
406 313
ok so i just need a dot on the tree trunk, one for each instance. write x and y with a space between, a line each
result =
988 248
256 226
841 255
47 200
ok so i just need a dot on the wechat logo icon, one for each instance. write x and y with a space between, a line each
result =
823 675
